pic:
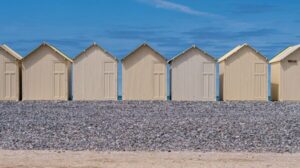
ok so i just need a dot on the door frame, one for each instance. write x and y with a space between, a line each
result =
162 73
12 97
65 78
265 78
114 76
213 74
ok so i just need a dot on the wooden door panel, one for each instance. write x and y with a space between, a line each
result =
10 80
109 80
158 76
259 80
59 80
208 80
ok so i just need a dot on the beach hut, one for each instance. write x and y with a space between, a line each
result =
10 77
144 75
46 74
193 76
285 78
95 75
243 75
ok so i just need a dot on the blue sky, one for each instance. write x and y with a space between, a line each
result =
170 26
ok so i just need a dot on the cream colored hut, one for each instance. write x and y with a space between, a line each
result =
144 75
193 76
285 78
95 75
243 75
10 77
46 74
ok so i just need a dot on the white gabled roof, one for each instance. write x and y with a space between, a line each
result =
235 50
96 45
51 47
11 52
143 45
185 51
285 53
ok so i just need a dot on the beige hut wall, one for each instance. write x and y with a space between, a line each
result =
221 78
290 78
144 76
95 76
45 76
193 77
245 76
275 80
9 77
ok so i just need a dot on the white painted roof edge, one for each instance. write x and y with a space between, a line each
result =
236 49
53 48
95 44
11 52
285 53
140 46
185 51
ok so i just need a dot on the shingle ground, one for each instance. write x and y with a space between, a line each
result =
151 126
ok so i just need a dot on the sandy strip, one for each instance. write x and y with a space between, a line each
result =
86 159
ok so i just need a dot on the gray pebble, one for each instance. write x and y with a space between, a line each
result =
151 126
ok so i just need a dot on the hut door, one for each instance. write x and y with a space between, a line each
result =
208 81
159 77
59 80
109 78
259 80
10 79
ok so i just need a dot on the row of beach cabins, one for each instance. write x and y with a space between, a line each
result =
45 74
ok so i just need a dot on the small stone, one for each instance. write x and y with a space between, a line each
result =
150 126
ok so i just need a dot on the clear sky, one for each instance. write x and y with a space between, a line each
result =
170 26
